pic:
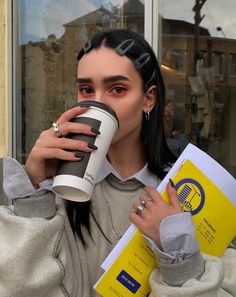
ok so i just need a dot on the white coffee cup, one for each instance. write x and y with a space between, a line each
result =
76 180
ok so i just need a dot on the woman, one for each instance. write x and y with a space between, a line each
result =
41 255
175 138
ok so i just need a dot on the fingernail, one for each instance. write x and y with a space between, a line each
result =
171 183
94 130
92 146
79 155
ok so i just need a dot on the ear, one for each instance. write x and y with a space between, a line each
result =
149 99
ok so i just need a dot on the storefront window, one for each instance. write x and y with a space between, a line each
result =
197 53
197 50
50 34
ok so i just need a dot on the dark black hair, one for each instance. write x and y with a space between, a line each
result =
158 155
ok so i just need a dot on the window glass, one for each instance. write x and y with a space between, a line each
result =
217 62
179 60
233 64
198 59
51 32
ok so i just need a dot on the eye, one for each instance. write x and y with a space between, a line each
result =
118 90
85 90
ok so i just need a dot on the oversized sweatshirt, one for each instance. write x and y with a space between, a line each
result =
40 257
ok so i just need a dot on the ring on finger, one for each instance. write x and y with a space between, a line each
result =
149 197
140 208
56 129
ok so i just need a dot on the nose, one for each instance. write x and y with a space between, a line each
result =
98 96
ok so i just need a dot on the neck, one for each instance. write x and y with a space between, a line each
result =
127 159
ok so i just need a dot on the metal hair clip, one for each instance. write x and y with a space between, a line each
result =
87 46
124 46
142 60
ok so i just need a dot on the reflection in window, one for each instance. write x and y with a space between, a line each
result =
179 57
204 59
197 56
233 64
217 62
51 36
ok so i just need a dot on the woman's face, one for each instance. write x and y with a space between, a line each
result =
105 76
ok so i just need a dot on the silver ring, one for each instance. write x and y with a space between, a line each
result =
149 197
56 129
140 208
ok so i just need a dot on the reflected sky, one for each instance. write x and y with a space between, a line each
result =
217 13
41 18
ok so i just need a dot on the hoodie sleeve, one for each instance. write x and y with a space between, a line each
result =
37 256
38 252
217 280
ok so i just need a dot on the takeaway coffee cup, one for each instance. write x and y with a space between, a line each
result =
75 180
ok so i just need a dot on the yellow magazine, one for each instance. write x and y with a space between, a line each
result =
129 274
214 215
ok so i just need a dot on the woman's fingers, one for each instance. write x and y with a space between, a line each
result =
63 143
151 209
54 153
174 199
71 127
69 114
49 147
154 194
172 194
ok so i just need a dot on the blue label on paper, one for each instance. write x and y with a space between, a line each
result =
128 281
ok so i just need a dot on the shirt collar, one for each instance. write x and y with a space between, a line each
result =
144 175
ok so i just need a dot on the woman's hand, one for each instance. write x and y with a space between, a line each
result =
148 219
49 148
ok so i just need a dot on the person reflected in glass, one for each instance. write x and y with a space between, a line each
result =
176 138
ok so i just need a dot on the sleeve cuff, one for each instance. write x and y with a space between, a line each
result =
178 273
16 182
42 207
28 201
177 235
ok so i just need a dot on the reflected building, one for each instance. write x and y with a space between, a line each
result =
132 16
49 72
42 90
76 35
49 67
201 101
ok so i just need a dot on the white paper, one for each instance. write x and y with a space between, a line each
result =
213 170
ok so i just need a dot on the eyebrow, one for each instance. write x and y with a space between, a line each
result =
108 79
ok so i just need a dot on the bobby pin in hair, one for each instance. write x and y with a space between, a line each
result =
124 46
87 46
142 60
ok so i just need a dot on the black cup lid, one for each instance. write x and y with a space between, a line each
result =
99 105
